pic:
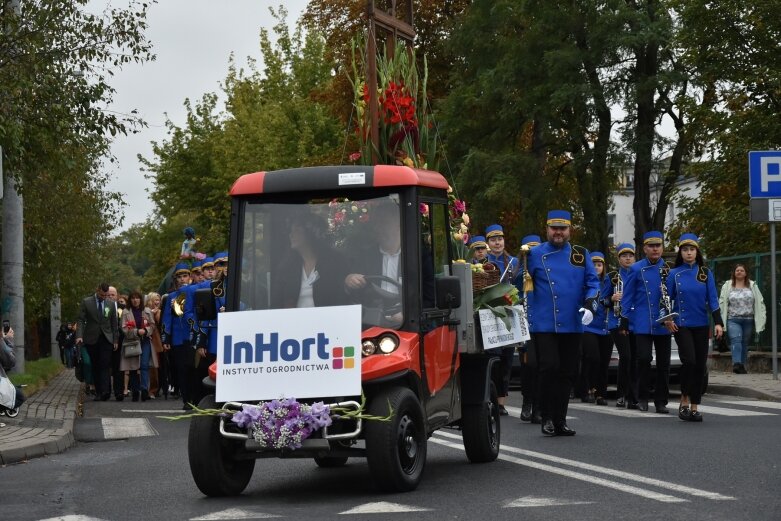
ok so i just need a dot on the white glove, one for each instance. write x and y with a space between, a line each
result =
587 317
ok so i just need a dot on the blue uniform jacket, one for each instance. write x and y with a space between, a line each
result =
642 292
501 261
176 328
694 292
599 326
563 280
606 295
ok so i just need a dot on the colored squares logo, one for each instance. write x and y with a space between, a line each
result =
343 357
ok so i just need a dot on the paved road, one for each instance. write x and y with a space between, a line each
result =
128 464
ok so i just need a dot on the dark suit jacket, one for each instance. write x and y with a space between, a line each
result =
328 289
93 324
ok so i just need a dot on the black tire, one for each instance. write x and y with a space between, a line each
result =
482 429
396 449
212 463
329 462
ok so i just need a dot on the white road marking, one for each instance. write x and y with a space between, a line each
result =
532 501
383 507
723 411
121 428
73 517
754 403
605 470
515 411
233 513
616 411
648 494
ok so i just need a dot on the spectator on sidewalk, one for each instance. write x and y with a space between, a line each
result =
742 305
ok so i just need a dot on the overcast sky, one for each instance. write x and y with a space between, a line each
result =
193 40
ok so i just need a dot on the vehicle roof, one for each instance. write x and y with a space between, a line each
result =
335 177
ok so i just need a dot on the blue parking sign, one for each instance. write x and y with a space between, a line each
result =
764 173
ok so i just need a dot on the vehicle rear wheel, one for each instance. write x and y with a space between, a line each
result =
212 457
396 449
481 429
329 462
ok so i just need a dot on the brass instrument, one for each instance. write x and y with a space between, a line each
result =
618 287
178 304
665 303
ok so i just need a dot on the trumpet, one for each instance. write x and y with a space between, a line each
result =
618 287
665 303
178 304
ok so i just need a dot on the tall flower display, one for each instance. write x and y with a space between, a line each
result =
459 225
407 134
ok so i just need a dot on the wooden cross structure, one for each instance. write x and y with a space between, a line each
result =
396 28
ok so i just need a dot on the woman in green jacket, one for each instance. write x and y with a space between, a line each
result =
742 306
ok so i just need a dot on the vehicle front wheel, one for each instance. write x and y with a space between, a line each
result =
396 449
481 429
212 457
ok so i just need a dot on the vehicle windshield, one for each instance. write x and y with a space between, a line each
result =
324 252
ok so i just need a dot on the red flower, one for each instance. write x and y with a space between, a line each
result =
130 324
355 156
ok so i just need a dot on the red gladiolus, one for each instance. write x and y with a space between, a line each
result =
355 156
460 206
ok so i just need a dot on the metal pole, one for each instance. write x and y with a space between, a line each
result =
13 250
773 299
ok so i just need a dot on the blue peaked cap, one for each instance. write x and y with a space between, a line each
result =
653 237
494 230
531 240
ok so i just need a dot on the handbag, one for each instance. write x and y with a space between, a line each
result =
132 349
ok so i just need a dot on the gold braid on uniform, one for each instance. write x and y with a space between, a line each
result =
702 274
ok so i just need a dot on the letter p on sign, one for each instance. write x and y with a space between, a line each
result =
770 171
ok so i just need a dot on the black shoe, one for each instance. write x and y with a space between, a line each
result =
601 401
526 412
695 416
684 413
105 397
97 399
661 409
536 418
563 430
503 411
743 369
620 402
119 397
633 405
736 368
135 396
548 429
187 407
144 395
642 405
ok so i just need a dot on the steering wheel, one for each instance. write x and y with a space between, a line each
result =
391 302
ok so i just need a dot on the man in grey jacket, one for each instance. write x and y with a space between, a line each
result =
97 329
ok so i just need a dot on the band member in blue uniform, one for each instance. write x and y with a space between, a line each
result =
597 345
564 298
508 269
175 333
530 410
641 311
479 249
692 287
624 340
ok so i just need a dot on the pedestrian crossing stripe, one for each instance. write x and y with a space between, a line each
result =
754 403
633 413
123 428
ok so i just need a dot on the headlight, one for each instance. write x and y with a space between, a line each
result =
388 344
368 347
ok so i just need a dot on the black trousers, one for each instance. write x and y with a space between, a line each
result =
661 345
505 355
183 358
594 361
558 355
100 354
627 365
693 350
529 378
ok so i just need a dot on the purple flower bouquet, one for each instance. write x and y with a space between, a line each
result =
282 424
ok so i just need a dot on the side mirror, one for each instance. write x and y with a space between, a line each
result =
205 307
448 293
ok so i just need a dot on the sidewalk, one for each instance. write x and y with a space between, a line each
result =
45 422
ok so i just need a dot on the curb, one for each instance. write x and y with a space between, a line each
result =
745 392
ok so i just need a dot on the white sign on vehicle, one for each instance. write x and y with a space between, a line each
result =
290 353
352 178
495 332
